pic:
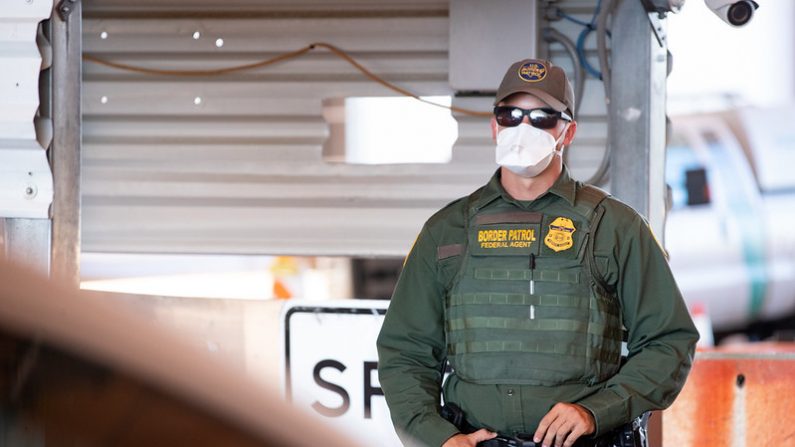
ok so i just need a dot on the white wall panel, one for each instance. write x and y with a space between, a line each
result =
25 178
242 172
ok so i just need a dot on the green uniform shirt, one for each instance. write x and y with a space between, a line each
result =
412 346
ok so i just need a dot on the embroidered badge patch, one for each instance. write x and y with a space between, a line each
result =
532 72
559 235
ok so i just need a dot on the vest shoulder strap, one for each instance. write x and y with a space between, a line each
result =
459 248
587 203
588 199
471 203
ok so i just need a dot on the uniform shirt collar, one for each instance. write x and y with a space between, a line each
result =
564 187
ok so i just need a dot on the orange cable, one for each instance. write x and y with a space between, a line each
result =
280 58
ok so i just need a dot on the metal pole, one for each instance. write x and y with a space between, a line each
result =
637 111
65 150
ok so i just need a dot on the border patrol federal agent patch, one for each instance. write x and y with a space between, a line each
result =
559 235
505 240
532 72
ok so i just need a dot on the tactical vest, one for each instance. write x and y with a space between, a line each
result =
526 305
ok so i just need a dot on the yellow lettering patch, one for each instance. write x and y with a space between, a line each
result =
492 235
559 237
515 238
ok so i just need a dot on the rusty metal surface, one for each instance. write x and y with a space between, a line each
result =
737 396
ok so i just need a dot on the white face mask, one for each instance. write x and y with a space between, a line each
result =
526 150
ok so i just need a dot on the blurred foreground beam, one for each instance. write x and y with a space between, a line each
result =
80 370
738 396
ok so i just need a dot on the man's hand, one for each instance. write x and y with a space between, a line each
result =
563 425
470 440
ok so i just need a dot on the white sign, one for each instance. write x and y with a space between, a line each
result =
331 366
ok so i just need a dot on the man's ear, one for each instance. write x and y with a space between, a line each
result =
570 132
494 128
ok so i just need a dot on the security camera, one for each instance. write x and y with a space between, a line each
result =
733 12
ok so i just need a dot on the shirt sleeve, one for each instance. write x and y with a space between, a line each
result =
661 334
412 350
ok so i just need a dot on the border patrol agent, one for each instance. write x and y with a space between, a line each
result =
525 286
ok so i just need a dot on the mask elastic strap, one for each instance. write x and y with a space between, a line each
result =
561 138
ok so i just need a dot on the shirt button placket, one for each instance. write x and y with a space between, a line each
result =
513 408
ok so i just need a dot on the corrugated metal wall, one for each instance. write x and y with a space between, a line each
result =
240 170
26 189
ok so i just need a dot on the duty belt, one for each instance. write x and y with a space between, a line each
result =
608 440
632 434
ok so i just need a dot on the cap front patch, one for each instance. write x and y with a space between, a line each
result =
532 71
559 236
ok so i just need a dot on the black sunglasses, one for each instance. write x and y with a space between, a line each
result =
542 118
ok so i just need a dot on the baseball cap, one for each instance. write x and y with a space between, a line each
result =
540 78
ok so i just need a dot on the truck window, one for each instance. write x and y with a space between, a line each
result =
687 177
696 186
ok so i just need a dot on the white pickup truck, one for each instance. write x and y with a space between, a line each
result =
730 232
